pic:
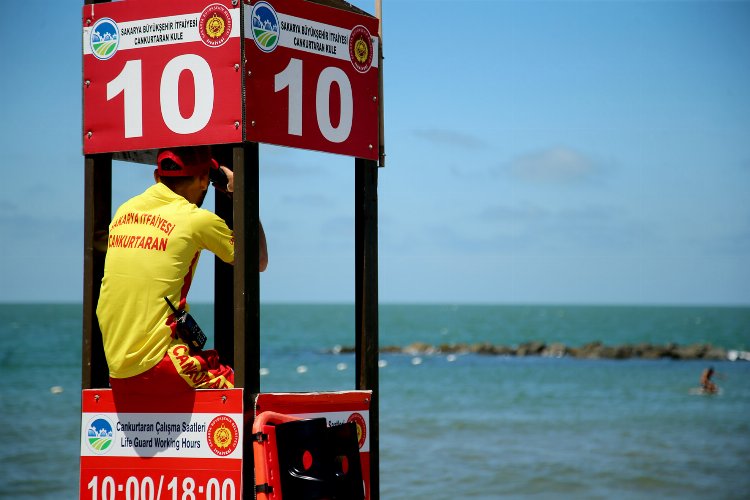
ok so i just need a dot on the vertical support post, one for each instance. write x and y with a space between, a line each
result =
245 164
97 214
366 291
224 274
246 276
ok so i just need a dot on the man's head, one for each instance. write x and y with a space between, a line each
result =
185 171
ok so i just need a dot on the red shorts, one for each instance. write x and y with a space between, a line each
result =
179 370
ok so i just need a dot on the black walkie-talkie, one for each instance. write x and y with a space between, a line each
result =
219 179
187 328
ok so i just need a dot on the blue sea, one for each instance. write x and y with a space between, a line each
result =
469 426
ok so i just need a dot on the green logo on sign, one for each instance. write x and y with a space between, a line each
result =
265 26
100 435
104 38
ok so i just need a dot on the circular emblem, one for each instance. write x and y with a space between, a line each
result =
215 25
265 26
360 49
361 427
104 38
222 435
100 435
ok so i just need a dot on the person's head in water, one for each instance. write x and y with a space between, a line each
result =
185 171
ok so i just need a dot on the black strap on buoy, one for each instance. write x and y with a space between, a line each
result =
264 488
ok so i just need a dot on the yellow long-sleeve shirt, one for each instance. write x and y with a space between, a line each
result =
155 240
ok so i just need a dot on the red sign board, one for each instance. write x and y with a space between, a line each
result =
312 77
151 448
171 73
159 74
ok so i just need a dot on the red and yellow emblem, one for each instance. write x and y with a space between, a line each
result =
223 435
215 25
361 427
360 49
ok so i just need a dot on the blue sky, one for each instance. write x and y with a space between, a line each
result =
538 152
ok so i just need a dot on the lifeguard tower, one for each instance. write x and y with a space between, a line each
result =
231 74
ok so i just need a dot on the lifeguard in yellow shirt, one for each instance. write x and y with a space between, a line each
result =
155 240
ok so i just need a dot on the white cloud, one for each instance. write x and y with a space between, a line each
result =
554 165
450 138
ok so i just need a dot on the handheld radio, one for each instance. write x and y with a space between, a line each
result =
187 328
219 179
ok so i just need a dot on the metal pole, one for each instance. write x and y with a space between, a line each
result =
366 276
246 289
246 275
97 214
224 275
96 218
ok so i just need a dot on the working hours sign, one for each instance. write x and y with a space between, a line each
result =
189 72
150 448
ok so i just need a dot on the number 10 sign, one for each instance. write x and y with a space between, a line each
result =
177 73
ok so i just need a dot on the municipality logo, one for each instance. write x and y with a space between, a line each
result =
223 435
265 26
104 39
215 25
360 49
359 420
100 435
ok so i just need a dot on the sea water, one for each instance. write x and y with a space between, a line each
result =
466 426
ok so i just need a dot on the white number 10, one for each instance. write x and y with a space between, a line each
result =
129 83
291 77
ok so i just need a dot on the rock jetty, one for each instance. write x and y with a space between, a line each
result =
593 350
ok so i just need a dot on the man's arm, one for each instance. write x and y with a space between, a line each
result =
230 178
262 247
262 250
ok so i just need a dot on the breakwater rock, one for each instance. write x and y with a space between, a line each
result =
593 350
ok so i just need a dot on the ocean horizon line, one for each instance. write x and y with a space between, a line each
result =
47 302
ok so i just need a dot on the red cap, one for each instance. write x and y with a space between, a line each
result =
191 161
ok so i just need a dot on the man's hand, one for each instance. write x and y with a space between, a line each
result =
230 178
